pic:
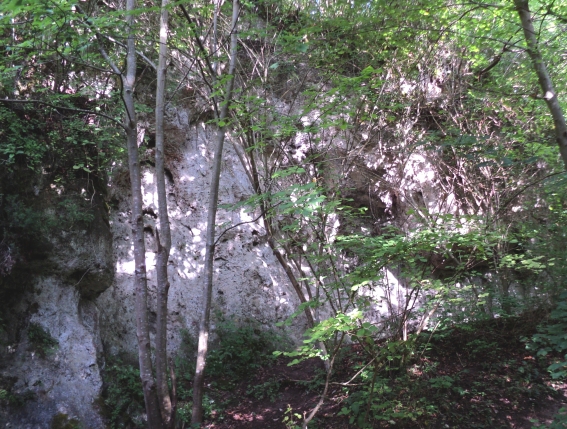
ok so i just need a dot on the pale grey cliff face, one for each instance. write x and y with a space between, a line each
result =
80 291
249 283
67 379
52 360
83 292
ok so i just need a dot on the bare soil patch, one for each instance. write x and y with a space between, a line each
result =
471 376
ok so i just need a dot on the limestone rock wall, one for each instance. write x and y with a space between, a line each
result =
52 350
249 284
81 290
77 291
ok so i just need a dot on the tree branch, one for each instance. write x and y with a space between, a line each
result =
140 54
529 185
103 52
72 109
544 78
242 223
205 56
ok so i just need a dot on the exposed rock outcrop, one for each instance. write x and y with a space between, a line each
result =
249 283
52 350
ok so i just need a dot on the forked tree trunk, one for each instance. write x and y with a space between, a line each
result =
198 382
545 82
166 403
142 326
128 80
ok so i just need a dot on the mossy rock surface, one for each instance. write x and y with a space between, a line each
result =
62 421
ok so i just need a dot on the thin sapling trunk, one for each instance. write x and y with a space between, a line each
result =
198 383
163 235
142 325
545 82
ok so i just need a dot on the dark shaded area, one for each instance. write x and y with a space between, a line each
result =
468 376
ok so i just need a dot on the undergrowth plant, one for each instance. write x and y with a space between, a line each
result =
551 341
552 338
439 264
269 389
447 382
123 398
240 349
41 340
291 418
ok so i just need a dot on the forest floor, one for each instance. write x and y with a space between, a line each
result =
469 376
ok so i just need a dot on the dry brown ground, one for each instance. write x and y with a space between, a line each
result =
495 382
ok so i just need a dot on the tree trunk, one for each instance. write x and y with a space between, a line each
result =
142 326
254 176
198 383
163 235
549 95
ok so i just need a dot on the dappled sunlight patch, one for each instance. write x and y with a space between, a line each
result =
246 417
125 267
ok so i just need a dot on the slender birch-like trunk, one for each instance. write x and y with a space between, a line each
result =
545 82
254 178
128 80
166 402
142 325
198 383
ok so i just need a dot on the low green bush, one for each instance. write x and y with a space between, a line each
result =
41 340
123 398
552 338
240 349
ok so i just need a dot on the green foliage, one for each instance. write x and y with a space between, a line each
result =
66 147
211 409
291 419
240 349
552 338
479 348
442 382
20 140
41 341
186 356
269 389
451 379
76 211
123 398
59 136
377 401
559 421
62 421
22 219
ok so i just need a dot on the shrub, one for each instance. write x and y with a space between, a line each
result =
41 340
123 398
552 338
241 348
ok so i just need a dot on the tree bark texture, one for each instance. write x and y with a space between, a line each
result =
271 240
163 234
198 383
255 181
142 325
545 82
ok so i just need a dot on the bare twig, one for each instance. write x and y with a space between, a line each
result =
72 109
140 54
243 223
